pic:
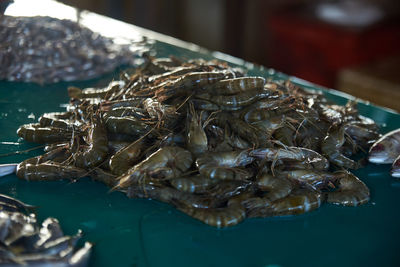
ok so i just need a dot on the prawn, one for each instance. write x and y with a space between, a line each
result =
97 149
253 115
205 105
47 120
304 155
185 83
104 177
218 217
300 201
351 190
134 112
48 171
121 161
238 126
196 137
386 149
156 110
316 179
126 125
75 92
330 148
285 135
33 132
236 85
166 194
227 189
395 171
175 159
222 165
238 100
192 184
277 187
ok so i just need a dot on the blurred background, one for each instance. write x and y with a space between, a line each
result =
348 45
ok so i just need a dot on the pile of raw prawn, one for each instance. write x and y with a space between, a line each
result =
202 136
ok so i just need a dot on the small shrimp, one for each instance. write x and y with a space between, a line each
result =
35 133
386 149
304 155
97 150
222 165
351 190
196 137
395 171
124 159
217 217
48 171
177 159
192 184
276 187
330 148
236 85
298 202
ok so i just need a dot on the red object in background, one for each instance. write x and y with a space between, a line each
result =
315 51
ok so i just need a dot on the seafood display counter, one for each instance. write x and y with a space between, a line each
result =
139 232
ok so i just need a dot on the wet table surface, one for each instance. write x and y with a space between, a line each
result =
139 232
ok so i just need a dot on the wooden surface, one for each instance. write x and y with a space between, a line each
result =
378 83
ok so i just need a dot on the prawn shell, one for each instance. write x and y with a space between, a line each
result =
351 191
386 149
48 172
217 217
34 133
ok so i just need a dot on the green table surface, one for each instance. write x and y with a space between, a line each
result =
139 232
